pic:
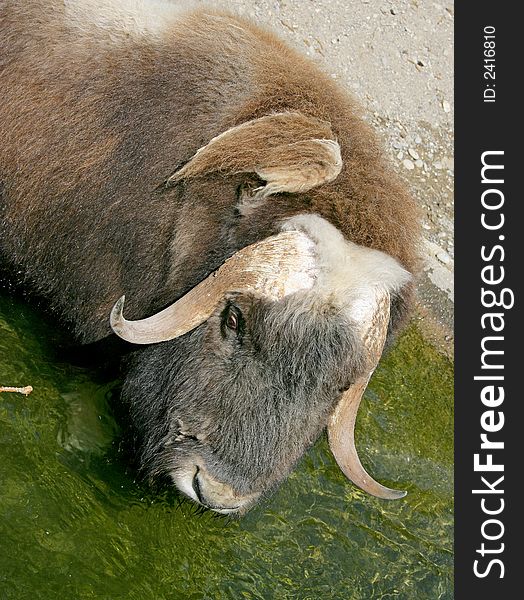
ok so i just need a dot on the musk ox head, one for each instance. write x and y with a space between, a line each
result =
242 374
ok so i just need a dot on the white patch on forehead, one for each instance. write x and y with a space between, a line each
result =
125 17
347 272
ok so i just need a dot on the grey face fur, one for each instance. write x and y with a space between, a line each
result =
241 404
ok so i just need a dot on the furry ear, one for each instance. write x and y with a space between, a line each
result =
289 151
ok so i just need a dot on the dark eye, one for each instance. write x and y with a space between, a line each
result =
232 320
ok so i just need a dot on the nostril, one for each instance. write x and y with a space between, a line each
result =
211 493
196 486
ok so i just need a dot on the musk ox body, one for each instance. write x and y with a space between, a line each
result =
194 163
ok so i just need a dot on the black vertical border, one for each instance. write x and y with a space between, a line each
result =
479 127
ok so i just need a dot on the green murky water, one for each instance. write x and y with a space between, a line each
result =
74 524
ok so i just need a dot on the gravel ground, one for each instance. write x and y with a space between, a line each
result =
396 57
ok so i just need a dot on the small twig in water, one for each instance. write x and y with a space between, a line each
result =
18 390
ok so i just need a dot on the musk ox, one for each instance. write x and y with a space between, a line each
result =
197 165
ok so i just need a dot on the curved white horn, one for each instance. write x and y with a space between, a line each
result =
275 267
373 316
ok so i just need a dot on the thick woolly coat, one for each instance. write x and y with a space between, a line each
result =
95 119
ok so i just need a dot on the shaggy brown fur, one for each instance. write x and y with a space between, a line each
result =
289 151
91 128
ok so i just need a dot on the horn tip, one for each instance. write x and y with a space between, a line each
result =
394 494
374 488
116 315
